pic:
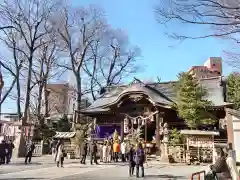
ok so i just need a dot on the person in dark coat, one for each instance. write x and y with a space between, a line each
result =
29 152
10 150
220 168
56 148
131 161
84 151
3 152
93 153
139 160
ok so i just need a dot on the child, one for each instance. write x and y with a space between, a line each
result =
131 162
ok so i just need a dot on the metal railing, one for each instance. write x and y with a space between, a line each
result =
38 149
198 175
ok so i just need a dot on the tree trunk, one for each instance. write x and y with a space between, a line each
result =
22 140
79 97
27 99
39 104
19 111
46 104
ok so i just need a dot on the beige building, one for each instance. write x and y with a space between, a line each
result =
211 68
58 99
61 100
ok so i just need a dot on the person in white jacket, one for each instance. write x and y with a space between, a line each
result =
123 150
104 151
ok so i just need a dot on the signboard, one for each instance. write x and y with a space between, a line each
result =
200 141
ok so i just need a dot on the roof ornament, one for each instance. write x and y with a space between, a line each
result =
136 81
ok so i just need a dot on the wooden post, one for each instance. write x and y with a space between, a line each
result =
157 134
122 129
145 132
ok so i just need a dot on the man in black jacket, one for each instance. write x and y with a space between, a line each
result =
84 150
29 152
93 153
10 150
3 152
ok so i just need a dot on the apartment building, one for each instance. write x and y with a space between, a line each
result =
211 68
60 100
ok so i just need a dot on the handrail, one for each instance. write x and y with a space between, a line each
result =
198 174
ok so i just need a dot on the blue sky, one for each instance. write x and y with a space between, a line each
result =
161 56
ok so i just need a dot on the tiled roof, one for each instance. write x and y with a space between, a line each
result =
162 93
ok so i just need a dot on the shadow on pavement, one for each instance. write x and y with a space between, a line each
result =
22 178
165 176
80 167
22 163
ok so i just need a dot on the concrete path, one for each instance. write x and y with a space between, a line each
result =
73 170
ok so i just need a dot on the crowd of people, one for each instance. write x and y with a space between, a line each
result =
6 149
106 152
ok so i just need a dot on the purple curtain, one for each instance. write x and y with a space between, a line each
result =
106 131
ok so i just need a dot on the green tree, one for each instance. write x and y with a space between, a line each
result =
190 103
233 89
175 137
63 125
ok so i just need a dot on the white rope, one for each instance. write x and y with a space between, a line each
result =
142 118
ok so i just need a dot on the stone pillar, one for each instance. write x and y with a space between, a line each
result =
164 154
229 122
19 143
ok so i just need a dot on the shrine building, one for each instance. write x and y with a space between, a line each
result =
123 107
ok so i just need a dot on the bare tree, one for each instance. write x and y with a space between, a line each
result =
222 16
78 29
44 69
30 19
113 60
13 64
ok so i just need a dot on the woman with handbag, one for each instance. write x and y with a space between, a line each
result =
60 154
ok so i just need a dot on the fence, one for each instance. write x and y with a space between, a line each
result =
198 175
180 154
38 149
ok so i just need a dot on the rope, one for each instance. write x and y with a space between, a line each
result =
142 118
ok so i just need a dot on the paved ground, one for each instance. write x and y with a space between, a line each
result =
153 173
44 168
17 165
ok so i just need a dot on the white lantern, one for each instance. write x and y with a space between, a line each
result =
126 129
140 120
135 121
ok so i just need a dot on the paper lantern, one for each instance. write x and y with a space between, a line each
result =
140 120
135 121
126 129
